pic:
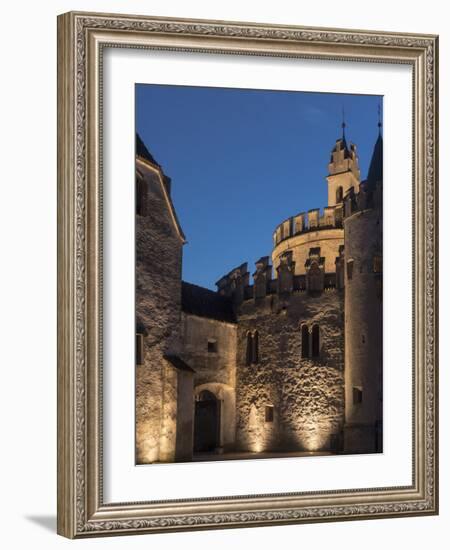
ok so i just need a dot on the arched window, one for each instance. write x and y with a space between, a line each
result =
339 195
252 353
305 342
315 341
248 356
141 195
255 350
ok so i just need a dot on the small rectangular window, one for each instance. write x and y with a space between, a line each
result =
357 396
139 349
350 269
212 346
269 413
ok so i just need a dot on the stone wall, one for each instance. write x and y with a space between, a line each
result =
243 349
214 365
158 310
307 394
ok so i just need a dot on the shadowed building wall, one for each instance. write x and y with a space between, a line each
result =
363 224
161 381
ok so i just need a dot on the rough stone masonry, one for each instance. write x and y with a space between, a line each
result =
288 362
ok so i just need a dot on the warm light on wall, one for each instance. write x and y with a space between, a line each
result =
257 445
315 438
256 439
167 441
151 453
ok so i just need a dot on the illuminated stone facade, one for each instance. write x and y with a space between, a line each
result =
306 393
290 361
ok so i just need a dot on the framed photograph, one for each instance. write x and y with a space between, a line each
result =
247 277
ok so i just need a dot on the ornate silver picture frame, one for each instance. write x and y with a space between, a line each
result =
83 510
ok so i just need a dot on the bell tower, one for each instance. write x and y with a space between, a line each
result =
343 170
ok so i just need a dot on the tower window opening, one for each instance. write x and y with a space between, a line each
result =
305 342
268 416
141 197
357 396
315 341
139 349
350 269
339 194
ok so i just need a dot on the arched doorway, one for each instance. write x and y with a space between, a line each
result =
207 422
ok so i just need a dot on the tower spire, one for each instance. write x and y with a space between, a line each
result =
375 173
343 169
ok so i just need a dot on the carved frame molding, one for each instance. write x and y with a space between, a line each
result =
81 39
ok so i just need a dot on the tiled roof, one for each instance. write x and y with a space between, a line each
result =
178 363
203 302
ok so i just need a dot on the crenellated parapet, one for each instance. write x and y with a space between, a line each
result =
312 220
234 283
285 274
237 286
369 196
262 277
315 271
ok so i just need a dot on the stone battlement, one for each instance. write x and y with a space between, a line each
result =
369 196
312 220
298 285
236 284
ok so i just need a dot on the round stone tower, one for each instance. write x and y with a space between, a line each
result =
363 310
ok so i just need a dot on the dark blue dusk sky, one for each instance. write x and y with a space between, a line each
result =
242 161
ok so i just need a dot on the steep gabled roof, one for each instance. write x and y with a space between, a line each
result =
143 152
144 157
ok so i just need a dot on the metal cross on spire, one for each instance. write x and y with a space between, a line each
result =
343 123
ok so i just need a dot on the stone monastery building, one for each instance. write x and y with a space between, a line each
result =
286 359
